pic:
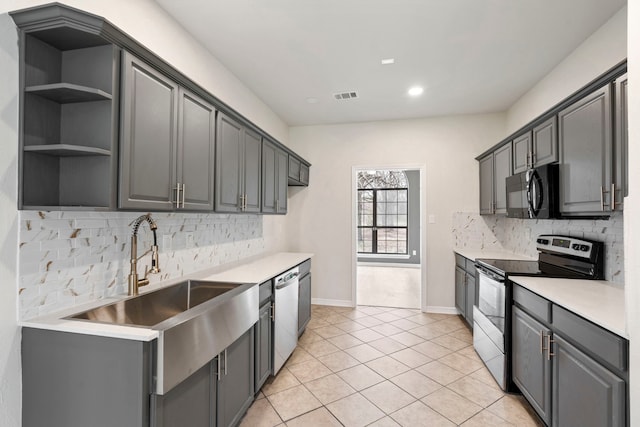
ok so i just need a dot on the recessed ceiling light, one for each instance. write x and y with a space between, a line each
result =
415 91
312 100
387 61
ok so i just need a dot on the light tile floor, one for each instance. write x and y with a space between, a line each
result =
375 366
391 286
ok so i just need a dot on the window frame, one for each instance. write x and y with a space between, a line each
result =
374 228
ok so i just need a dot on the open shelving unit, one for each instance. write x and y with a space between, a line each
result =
69 117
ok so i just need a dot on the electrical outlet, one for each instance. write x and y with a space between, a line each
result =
414 252
166 242
189 239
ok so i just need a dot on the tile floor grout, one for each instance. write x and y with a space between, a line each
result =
378 366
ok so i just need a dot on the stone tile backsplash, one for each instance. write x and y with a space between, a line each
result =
68 258
494 232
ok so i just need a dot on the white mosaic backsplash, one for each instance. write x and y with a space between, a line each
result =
68 258
494 232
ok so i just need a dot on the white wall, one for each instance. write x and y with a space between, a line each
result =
632 211
321 215
145 21
601 51
10 384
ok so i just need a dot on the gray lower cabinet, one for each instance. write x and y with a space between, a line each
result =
465 288
263 345
573 372
236 380
191 403
304 302
76 380
585 155
274 179
584 392
531 368
167 143
238 167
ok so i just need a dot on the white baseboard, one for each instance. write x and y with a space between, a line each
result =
332 302
441 310
387 264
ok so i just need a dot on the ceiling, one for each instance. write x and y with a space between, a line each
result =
471 56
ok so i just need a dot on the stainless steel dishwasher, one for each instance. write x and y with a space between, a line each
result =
285 317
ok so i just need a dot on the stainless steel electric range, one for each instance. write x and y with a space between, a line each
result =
558 256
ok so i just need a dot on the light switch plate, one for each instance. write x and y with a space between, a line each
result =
432 219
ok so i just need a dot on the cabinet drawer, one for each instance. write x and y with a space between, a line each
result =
470 266
461 261
535 305
304 268
265 292
607 346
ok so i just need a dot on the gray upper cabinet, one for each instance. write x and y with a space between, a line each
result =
494 170
545 143
486 185
536 147
274 179
167 143
238 167
68 118
502 160
621 145
522 153
531 369
149 137
196 142
298 171
585 148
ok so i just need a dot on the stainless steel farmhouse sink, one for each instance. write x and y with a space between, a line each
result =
196 320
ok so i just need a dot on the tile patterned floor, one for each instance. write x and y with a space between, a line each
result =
375 366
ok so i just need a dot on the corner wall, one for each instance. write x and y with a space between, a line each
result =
321 218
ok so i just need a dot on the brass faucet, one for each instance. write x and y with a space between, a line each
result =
134 282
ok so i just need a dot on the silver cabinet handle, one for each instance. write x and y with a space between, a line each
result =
218 372
177 190
184 191
601 198
613 196
241 204
244 208
225 362
542 349
550 353
273 311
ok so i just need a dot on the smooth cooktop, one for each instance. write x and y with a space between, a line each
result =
510 267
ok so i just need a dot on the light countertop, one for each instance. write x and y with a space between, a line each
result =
252 270
598 301
474 254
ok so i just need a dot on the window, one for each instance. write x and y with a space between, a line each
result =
382 212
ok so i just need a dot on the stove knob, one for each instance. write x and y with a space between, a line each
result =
543 241
575 247
584 248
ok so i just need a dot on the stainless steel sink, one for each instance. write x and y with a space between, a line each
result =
196 321
155 307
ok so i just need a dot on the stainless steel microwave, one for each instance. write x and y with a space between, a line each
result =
533 193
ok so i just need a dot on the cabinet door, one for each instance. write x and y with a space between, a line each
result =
584 392
470 298
461 290
196 139
585 155
502 162
304 303
522 153
486 185
229 142
304 174
148 138
269 177
545 143
282 186
531 370
236 383
621 145
264 339
294 168
252 175
188 404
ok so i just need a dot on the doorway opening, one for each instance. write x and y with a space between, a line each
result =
388 237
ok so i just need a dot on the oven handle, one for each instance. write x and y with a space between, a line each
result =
490 274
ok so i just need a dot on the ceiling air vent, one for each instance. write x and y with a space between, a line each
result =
352 94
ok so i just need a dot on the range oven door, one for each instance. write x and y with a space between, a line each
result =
489 325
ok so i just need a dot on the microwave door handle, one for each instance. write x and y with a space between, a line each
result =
537 195
529 199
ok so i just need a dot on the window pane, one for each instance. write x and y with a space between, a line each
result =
382 196
402 220
402 208
402 234
392 208
402 195
392 195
